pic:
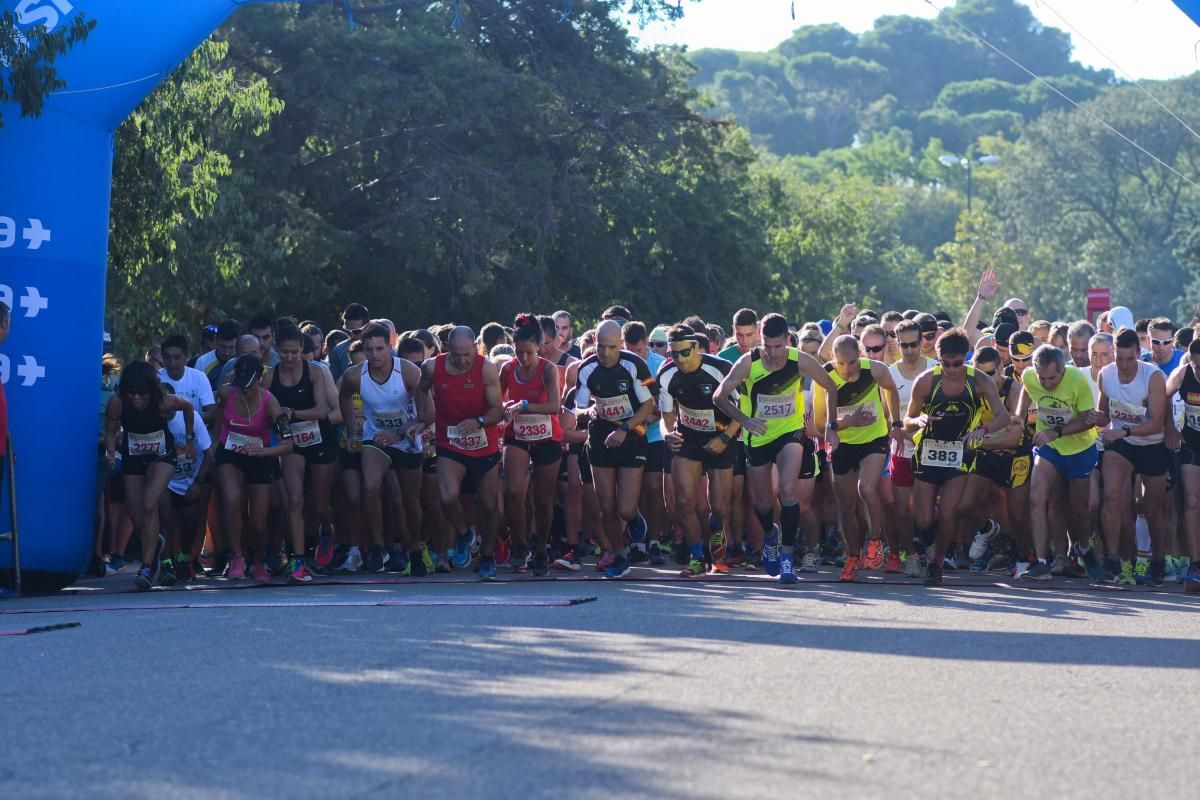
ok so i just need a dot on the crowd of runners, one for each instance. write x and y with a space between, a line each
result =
901 442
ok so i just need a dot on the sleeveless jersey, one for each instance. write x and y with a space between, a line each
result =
459 398
302 397
238 430
387 406
529 427
1189 393
939 443
775 397
146 431
863 392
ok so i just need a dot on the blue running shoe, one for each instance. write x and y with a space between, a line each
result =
487 568
461 556
620 566
637 528
144 579
770 555
787 570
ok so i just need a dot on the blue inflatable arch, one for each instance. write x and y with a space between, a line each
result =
55 182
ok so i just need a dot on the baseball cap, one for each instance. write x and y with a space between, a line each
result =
1004 315
1004 332
659 334
246 372
944 324
1021 344
1120 317
826 326
928 322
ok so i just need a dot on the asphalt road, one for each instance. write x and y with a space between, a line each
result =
654 689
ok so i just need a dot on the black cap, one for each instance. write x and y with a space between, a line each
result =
941 315
246 372
944 324
1005 315
928 322
1003 331
1022 344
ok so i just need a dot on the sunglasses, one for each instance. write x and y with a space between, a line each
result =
878 349
890 334
909 345
1022 359
991 373
683 352
929 337
952 364
1021 312
355 331
658 345
1163 342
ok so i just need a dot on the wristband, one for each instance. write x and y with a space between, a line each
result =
831 426
1058 430
624 426
524 405
725 437
897 424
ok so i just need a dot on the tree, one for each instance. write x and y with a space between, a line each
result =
29 56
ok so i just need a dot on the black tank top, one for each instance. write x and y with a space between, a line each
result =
142 422
562 360
300 397
1189 393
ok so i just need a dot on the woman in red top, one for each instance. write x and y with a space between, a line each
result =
529 385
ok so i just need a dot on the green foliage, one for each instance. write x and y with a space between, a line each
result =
29 74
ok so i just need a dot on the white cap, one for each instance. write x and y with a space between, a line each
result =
1120 317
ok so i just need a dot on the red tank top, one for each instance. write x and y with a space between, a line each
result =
458 398
528 427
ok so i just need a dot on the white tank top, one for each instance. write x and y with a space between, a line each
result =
904 387
1127 402
387 406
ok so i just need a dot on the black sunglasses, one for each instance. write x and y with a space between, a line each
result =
878 349
683 353
355 331
991 373
658 345
952 364
891 334
1021 312
909 345
929 337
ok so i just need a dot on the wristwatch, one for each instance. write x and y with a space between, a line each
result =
724 437
1058 430
831 426
480 421
624 426
897 424
190 437
1128 429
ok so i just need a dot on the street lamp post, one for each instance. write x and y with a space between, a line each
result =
948 160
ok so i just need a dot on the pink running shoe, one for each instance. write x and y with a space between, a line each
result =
237 567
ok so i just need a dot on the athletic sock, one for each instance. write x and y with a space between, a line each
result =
766 519
789 522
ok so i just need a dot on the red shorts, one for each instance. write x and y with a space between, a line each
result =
901 469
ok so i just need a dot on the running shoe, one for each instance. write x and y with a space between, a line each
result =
461 557
274 562
237 567
1020 568
809 563
298 571
1090 563
933 576
415 565
718 568
637 528
475 543
442 562
850 570
1169 574
618 568
354 560
1000 563
1058 567
983 538
1112 568
541 564
166 573
186 569
874 558
260 573
950 560
606 561
144 579
518 558
980 565
787 570
115 565
427 560
570 562
487 568
753 559
1038 571
637 555
694 569
377 561
324 553
1191 583
1126 576
912 567
770 556
681 554
397 559
1182 565
657 557
718 545
502 550
1139 570
893 564
1157 573
340 553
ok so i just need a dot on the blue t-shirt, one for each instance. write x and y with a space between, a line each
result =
1169 367
654 361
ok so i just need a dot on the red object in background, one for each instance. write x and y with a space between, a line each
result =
1098 300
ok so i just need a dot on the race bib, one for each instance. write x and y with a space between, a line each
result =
614 409
466 441
240 443
776 406
391 421
185 468
1126 414
1191 417
306 433
936 453
845 412
1053 417
704 421
146 444
532 427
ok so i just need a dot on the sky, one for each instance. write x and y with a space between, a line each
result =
1147 38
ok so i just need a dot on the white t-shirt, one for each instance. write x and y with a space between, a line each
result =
193 387
185 470
904 388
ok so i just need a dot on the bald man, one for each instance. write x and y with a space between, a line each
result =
1021 310
615 391
463 389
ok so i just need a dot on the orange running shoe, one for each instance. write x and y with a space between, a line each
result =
850 571
874 557
893 563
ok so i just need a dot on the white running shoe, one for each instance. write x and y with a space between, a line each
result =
982 538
